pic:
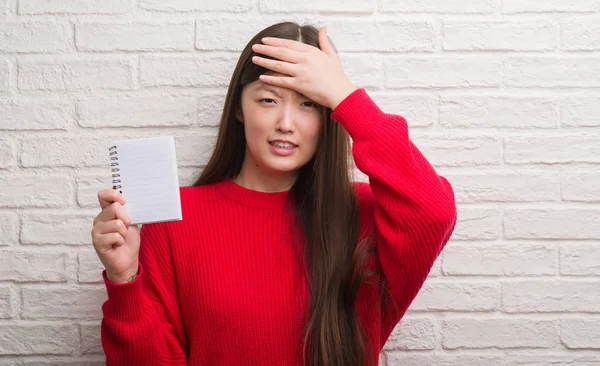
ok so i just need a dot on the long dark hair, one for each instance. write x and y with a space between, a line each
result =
325 210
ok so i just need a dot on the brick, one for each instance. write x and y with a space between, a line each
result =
580 111
535 35
210 107
63 303
515 358
476 111
67 73
530 71
30 266
188 175
89 268
499 260
37 113
580 333
164 110
90 338
9 228
442 72
65 151
540 296
195 149
47 37
545 6
583 187
530 148
226 33
231 6
64 361
441 296
73 7
311 6
478 224
418 110
89 360
552 223
35 190
57 228
499 333
29 338
402 358
5 75
8 153
458 151
136 36
554 358
577 35
5 301
436 269
364 70
505 186
382 35
205 70
88 186
580 260
413 334
433 6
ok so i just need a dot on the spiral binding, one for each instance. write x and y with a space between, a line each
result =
114 163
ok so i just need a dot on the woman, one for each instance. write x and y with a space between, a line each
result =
280 259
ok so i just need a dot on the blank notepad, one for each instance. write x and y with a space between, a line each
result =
145 172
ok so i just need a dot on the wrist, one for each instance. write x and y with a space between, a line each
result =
125 276
343 94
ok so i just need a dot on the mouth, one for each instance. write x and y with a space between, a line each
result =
283 145
281 148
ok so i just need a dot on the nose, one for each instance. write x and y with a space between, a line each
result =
285 121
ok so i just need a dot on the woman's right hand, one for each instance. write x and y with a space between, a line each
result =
116 242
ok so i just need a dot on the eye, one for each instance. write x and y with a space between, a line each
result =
266 99
313 104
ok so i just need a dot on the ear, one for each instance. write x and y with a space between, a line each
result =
239 115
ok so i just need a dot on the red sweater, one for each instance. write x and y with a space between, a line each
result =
221 286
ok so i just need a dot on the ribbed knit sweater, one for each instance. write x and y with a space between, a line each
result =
222 286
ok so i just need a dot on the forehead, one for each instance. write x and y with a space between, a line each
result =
259 85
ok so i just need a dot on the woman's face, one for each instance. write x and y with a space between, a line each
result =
281 127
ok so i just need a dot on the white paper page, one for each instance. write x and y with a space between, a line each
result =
149 180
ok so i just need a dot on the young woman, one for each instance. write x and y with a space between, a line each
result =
280 259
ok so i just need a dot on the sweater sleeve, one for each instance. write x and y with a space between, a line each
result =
142 322
412 207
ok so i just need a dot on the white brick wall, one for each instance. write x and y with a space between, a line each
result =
501 95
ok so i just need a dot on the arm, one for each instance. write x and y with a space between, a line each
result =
413 208
142 323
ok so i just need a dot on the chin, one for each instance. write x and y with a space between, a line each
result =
283 167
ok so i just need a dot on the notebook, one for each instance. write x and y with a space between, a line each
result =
145 172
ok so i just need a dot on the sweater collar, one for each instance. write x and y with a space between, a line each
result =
250 197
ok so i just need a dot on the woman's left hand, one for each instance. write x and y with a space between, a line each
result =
315 73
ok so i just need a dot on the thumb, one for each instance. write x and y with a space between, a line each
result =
324 43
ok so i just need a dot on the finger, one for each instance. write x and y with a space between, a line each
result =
104 242
108 196
289 43
278 66
325 44
113 211
280 53
282 81
112 226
